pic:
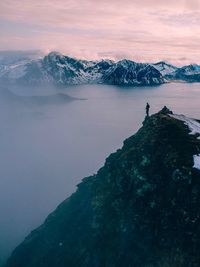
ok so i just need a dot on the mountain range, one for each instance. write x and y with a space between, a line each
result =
61 70
141 209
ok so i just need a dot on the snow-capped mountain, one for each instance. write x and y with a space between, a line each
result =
165 68
190 73
130 73
58 69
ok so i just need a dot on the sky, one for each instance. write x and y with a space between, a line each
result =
140 30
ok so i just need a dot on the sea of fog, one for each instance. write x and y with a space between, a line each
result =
49 142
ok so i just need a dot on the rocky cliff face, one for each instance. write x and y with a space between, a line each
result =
141 209
126 72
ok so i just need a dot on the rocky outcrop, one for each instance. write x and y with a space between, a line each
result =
141 209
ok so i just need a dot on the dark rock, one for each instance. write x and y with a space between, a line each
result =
127 72
141 209
166 111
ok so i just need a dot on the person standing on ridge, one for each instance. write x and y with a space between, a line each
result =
147 109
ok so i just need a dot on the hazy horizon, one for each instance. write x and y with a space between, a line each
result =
36 53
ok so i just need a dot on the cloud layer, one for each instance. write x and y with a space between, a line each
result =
142 30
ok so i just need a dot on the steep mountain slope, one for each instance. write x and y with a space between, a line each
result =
141 209
58 69
131 73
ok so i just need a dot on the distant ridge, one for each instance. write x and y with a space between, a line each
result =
60 70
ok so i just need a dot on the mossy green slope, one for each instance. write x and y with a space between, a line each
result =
142 209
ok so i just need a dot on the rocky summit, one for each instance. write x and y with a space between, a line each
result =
141 209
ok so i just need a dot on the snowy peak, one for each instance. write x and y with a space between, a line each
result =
54 54
125 63
164 67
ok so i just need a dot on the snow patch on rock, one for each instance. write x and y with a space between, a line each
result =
164 68
196 159
192 124
194 127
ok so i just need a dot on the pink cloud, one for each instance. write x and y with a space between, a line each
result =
146 30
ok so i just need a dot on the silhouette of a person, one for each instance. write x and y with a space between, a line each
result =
147 109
